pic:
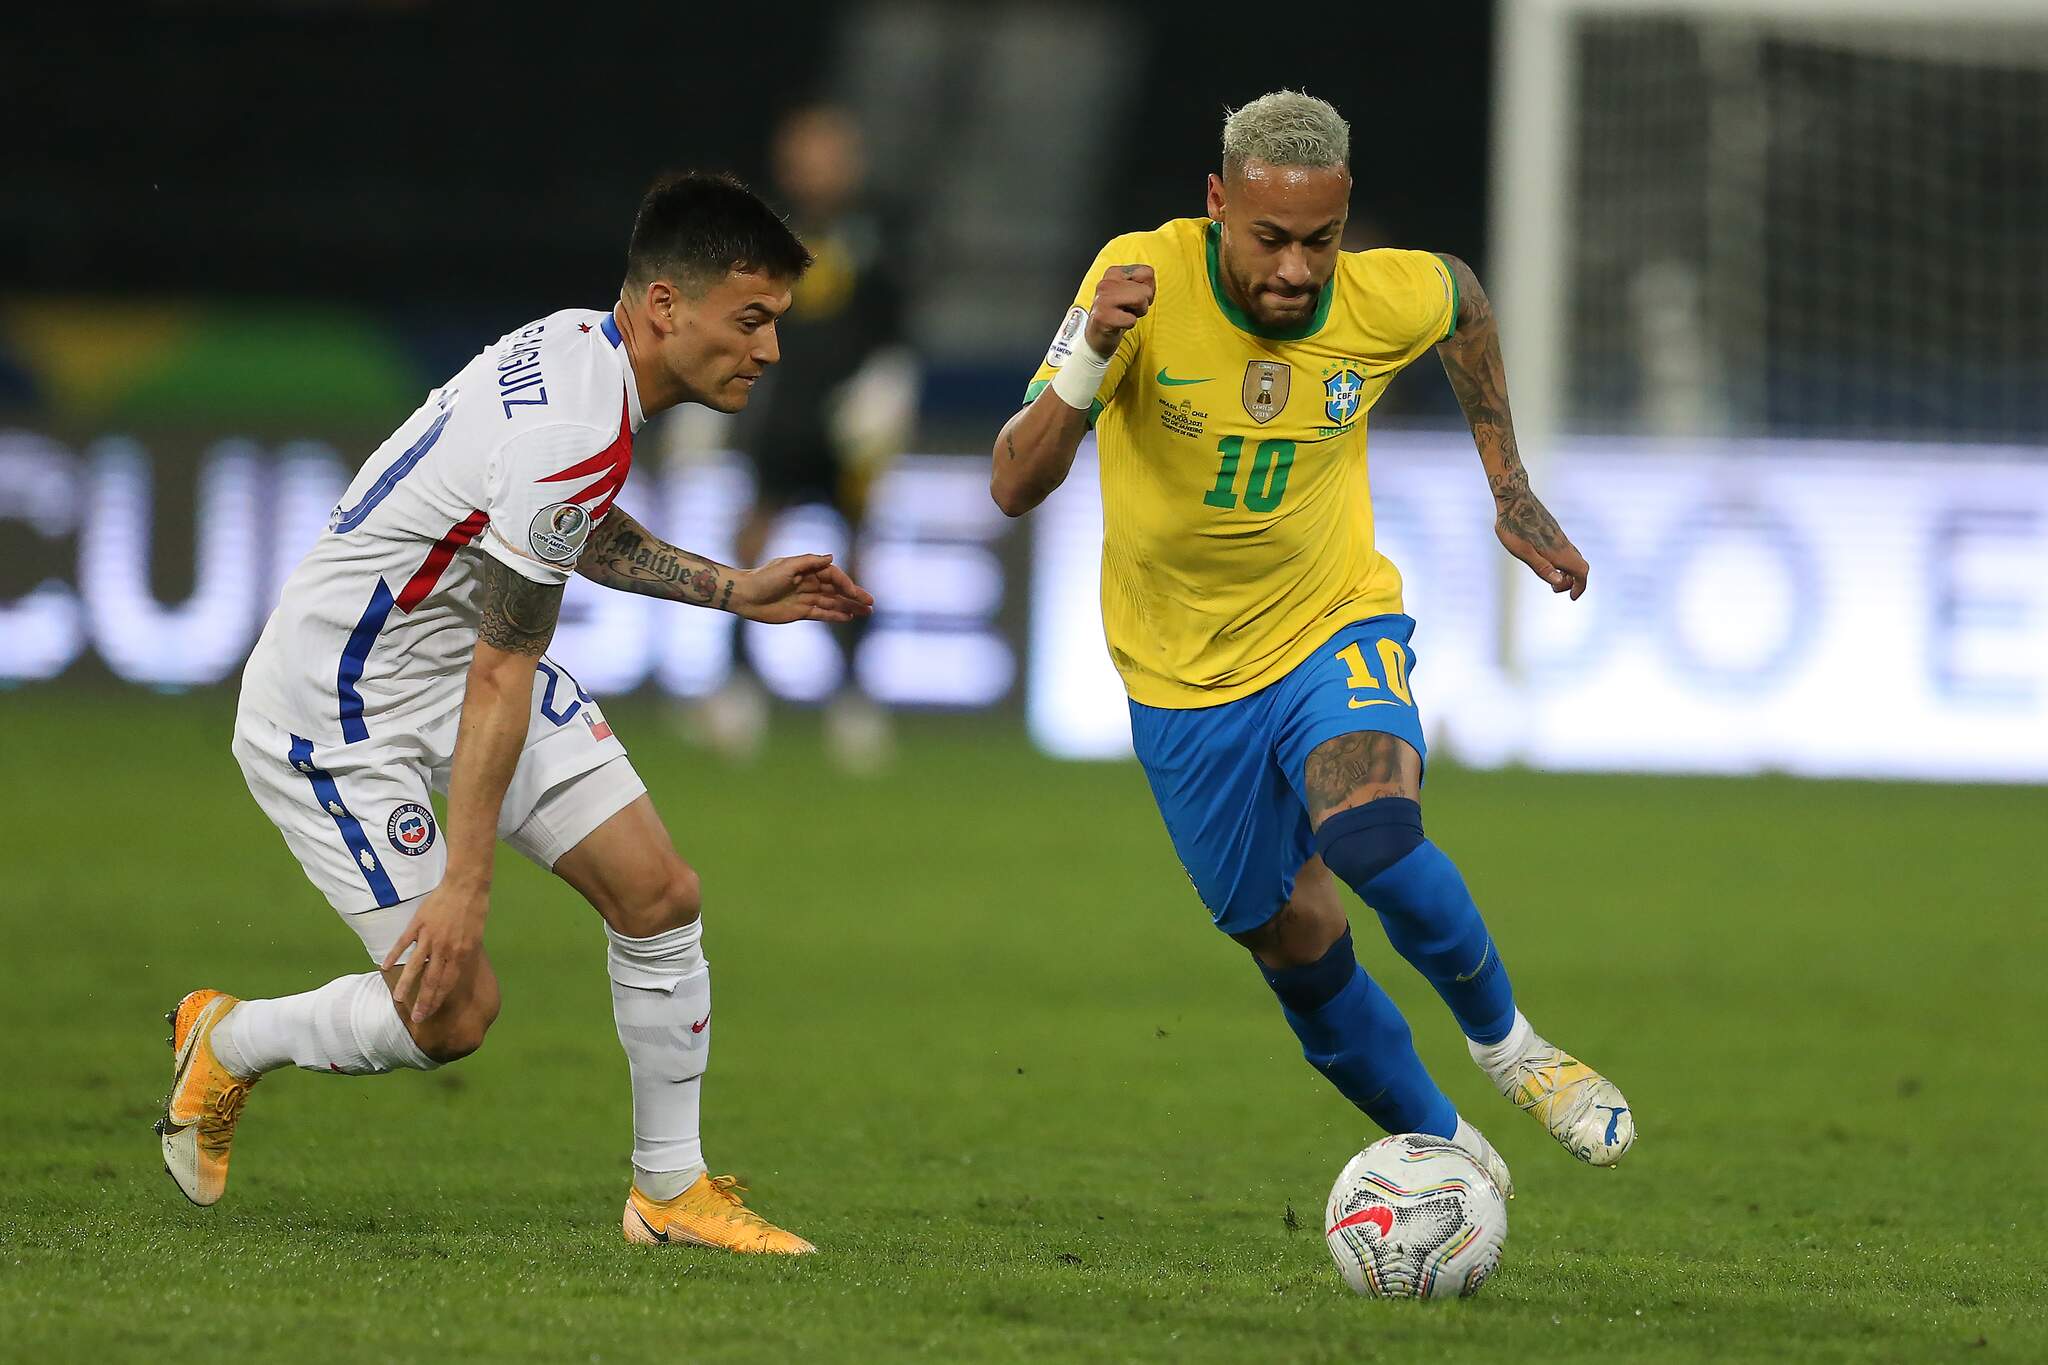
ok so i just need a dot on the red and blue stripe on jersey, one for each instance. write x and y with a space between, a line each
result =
356 653
607 470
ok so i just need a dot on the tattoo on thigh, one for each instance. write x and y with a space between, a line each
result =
1340 768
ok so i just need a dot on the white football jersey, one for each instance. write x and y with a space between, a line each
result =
517 457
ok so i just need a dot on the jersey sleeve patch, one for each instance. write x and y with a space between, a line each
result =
558 531
1125 250
1066 338
546 489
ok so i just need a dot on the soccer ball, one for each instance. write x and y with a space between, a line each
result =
1413 1217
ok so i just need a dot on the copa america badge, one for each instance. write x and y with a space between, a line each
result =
1063 341
558 531
411 829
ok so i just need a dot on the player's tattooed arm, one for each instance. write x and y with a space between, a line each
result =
447 931
1472 359
518 614
623 554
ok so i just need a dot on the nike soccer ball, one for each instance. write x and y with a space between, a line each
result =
1413 1217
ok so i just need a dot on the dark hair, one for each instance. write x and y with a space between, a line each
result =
692 229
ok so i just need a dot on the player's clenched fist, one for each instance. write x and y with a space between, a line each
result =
1122 297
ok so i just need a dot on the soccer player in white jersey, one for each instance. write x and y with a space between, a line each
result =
408 654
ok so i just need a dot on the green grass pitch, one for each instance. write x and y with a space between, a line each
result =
976 1038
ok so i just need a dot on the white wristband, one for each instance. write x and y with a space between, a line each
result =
1080 375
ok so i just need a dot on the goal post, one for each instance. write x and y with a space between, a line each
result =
1770 219
1789 217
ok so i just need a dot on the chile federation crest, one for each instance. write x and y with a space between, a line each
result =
411 829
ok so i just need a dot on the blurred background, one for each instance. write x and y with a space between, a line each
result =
1773 281
1772 277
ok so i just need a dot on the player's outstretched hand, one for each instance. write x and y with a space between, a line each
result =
1532 535
1121 298
799 588
446 934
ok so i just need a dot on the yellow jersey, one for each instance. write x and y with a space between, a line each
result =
1237 517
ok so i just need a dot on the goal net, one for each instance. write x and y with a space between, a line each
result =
1820 218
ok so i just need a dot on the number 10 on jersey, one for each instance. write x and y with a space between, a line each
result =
1267 483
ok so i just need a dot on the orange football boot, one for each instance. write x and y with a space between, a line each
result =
206 1099
708 1214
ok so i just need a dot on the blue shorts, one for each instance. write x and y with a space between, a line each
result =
1229 779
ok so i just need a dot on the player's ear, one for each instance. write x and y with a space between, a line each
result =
1216 196
662 302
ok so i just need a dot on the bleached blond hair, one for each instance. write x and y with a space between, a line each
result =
1285 128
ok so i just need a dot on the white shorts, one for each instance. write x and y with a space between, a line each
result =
360 819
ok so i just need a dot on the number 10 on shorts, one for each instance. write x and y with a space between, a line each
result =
1392 659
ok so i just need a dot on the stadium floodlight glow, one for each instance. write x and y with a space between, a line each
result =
309 479
43 631
1749 612
926 555
699 507
801 661
204 638
606 638
1075 705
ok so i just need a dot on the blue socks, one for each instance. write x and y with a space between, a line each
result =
1379 851
1352 1033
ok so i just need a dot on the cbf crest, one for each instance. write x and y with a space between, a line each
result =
1265 389
1342 393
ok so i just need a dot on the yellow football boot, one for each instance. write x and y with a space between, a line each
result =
708 1214
206 1099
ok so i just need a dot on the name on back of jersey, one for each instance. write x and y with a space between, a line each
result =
520 382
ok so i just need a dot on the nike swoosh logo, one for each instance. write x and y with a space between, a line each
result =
698 1027
1483 959
1379 1215
657 1235
1356 703
1167 383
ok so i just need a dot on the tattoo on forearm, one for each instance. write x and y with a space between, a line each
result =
518 613
725 598
1472 361
1010 444
623 555
1339 769
1520 512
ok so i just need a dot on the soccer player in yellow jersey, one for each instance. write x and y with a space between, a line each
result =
1227 364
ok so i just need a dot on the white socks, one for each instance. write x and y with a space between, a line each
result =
348 1027
1495 1058
661 1001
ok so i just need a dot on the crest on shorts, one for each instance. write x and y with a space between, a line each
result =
1265 389
411 829
558 531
